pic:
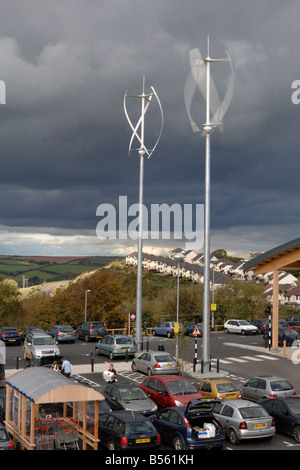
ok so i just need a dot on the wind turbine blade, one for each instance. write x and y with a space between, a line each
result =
162 122
229 93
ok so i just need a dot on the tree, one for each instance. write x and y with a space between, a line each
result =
241 299
10 306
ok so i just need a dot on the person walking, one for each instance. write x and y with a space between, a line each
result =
114 374
66 367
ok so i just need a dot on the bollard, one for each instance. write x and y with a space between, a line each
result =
126 355
284 347
218 365
92 361
147 345
194 364
17 362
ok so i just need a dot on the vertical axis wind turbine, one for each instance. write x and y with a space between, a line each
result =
138 133
199 79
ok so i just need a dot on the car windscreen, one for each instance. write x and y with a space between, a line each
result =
139 427
180 387
3 435
43 341
65 329
133 393
164 358
281 385
226 387
125 340
253 412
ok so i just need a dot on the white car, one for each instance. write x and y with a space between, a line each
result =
242 327
38 345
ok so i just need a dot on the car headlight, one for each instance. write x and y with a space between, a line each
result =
178 403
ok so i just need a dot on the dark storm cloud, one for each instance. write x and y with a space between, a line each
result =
64 136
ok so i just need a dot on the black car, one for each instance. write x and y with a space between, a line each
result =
261 323
10 335
293 320
91 330
128 396
127 430
30 329
284 334
286 413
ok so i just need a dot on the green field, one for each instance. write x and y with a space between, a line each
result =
38 269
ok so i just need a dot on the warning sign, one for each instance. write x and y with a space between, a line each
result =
196 331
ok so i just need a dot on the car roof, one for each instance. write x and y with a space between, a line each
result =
167 378
123 384
40 334
217 381
241 403
128 416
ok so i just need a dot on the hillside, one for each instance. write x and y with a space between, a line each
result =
33 270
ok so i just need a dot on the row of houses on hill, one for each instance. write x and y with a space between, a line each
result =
221 272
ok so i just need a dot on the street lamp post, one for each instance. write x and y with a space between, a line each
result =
178 257
85 303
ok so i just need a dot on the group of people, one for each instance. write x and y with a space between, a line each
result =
65 368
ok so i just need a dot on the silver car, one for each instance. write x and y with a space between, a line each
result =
38 345
243 419
155 363
266 386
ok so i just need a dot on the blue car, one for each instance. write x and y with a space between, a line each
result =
165 328
10 335
62 333
190 427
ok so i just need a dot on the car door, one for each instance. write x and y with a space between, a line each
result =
226 417
249 388
162 395
206 389
280 413
168 423
143 362
107 423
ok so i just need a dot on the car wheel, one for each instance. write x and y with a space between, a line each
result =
177 442
111 356
243 332
87 338
226 331
233 437
169 335
133 367
24 355
296 433
111 446
153 332
97 352
149 372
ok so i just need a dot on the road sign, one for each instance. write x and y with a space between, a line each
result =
196 331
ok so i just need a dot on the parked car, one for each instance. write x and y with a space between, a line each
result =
128 396
62 333
6 442
169 390
218 388
155 363
165 328
30 329
38 345
127 430
261 324
190 326
286 413
46 361
91 330
266 386
10 335
243 419
293 320
284 334
190 427
242 327
115 346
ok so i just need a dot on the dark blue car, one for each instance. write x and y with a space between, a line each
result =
10 335
190 427
62 333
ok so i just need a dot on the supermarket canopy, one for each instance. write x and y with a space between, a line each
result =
285 257
43 385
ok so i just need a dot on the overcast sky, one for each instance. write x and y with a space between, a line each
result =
64 136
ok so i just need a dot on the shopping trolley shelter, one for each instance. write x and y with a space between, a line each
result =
30 390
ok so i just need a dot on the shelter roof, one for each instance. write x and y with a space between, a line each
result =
43 385
284 257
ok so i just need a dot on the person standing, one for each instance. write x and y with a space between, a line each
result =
114 374
66 367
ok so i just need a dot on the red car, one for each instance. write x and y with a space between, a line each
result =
170 390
